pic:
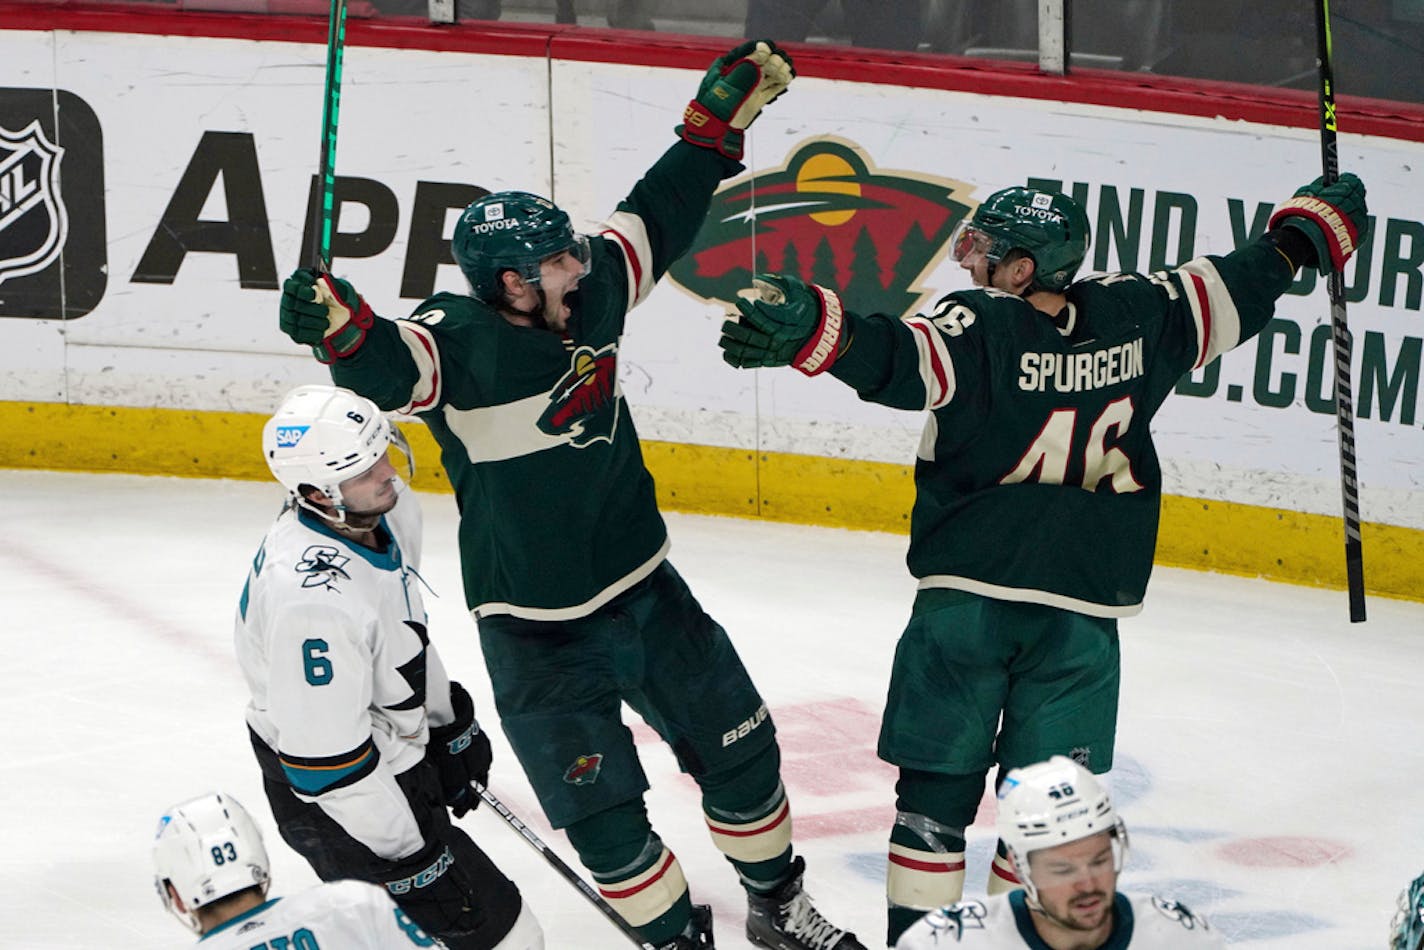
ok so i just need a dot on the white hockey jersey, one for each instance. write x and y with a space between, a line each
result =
1004 922
331 638
342 915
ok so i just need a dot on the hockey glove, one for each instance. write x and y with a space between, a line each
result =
1333 217
324 312
788 324
462 754
734 91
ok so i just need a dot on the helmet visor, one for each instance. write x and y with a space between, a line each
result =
968 239
400 456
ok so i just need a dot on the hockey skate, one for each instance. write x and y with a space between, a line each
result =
700 937
786 919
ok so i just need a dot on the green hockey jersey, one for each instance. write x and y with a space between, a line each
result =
557 510
1036 478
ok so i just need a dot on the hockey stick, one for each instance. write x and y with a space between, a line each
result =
317 253
1335 284
557 863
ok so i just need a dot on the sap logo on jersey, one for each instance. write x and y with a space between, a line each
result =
288 436
745 727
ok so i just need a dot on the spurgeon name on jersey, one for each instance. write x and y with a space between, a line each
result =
1020 405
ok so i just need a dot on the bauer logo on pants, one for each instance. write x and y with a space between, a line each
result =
53 263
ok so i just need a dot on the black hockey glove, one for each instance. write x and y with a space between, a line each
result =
325 313
462 754
789 323
432 890
732 94
1333 217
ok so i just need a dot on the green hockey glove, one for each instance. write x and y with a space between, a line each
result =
1333 217
325 313
788 324
734 91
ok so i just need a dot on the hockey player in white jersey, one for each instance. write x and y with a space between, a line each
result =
1068 846
211 871
362 737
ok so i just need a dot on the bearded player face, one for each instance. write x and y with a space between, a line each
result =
1075 882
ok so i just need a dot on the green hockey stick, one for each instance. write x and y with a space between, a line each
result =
317 253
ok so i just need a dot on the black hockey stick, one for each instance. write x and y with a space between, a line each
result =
317 253
557 863
1335 284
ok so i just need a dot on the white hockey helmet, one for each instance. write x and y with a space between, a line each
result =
207 848
323 435
1052 803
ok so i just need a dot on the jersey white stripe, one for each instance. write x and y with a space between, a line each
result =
936 370
1028 595
1218 324
631 234
627 581
426 353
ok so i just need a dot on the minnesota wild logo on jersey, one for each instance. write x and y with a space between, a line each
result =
583 405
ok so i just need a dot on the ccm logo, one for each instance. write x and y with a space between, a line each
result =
745 727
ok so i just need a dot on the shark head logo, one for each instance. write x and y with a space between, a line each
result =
33 221
829 217
583 406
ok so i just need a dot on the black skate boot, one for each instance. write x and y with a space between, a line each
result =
698 935
786 919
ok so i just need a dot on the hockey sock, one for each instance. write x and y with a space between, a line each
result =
749 819
638 876
926 862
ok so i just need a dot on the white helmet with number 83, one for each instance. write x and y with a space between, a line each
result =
323 435
207 848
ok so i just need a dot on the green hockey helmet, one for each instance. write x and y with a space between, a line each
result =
1050 227
512 230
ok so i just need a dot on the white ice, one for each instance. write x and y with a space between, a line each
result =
1269 764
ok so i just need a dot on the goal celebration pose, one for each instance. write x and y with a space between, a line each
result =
562 546
1037 484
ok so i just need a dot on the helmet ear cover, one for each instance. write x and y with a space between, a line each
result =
512 231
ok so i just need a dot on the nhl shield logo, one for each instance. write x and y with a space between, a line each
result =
830 217
33 221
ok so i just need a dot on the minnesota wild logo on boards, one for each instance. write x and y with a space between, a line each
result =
829 217
583 405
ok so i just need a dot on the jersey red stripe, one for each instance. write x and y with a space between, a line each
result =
1204 302
941 378
633 262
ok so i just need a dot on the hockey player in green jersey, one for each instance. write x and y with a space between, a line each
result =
1037 484
563 550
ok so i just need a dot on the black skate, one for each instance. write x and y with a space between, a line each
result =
786 919
700 937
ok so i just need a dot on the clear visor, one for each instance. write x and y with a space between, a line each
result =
398 453
578 250
967 240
